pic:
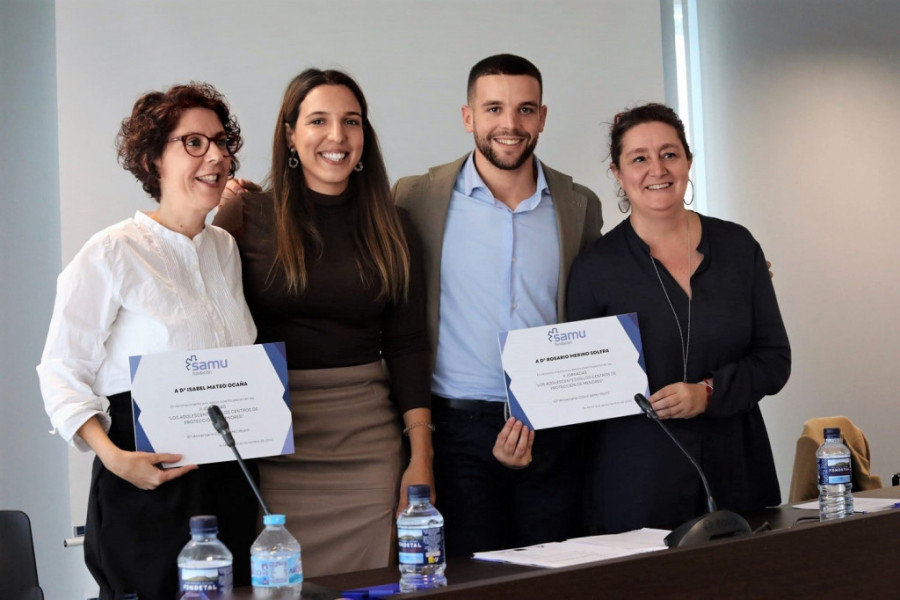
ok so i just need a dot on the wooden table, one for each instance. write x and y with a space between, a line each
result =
796 559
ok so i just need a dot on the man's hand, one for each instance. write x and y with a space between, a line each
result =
513 445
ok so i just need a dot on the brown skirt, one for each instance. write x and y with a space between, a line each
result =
338 490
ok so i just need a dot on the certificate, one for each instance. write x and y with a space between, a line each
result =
171 392
574 372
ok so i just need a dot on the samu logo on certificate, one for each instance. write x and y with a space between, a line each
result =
565 337
171 391
574 372
203 367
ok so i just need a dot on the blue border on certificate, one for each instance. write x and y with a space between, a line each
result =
140 437
278 357
514 407
629 323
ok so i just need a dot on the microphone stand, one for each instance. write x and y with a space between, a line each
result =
221 425
715 523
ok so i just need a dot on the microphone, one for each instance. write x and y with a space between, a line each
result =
715 523
221 424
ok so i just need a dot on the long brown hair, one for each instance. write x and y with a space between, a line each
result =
381 245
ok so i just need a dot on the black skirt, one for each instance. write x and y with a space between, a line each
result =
133 536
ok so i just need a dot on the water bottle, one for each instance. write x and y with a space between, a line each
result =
204 564
275 567
420 530
835 484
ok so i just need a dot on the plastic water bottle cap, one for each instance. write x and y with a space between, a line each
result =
419 491
832 432
273 520
204 524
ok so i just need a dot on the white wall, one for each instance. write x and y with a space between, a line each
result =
411 58
802 108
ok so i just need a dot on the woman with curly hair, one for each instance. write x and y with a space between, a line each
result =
157 282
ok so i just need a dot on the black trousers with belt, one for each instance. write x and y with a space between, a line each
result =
133 536
487 506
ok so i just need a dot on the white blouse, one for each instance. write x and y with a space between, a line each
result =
136 288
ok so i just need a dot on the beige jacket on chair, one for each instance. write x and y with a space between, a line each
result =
805 480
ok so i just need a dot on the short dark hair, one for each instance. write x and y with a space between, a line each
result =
143 136
503 64
648 113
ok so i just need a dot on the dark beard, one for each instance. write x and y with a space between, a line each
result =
484 146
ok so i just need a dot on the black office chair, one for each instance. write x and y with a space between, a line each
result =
18 571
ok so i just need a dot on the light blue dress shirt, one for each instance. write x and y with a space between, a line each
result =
499 271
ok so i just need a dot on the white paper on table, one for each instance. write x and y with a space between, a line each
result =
581 550
574 372
638 539
171 392
860 505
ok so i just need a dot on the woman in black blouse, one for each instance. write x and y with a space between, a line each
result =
713 339
334 269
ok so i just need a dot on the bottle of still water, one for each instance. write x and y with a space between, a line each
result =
420 531
835 481
276 570
204 564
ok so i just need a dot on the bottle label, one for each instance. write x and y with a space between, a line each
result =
423 546
205 583
833 471
267 571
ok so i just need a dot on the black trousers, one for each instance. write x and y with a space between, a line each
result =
133 536
487 506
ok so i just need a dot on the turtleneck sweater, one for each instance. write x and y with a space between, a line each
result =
338 320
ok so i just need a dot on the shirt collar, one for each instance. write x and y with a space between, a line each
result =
173 237
474 186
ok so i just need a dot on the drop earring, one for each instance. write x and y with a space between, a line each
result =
624 202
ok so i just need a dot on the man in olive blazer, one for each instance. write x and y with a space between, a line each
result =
427 198
503 229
